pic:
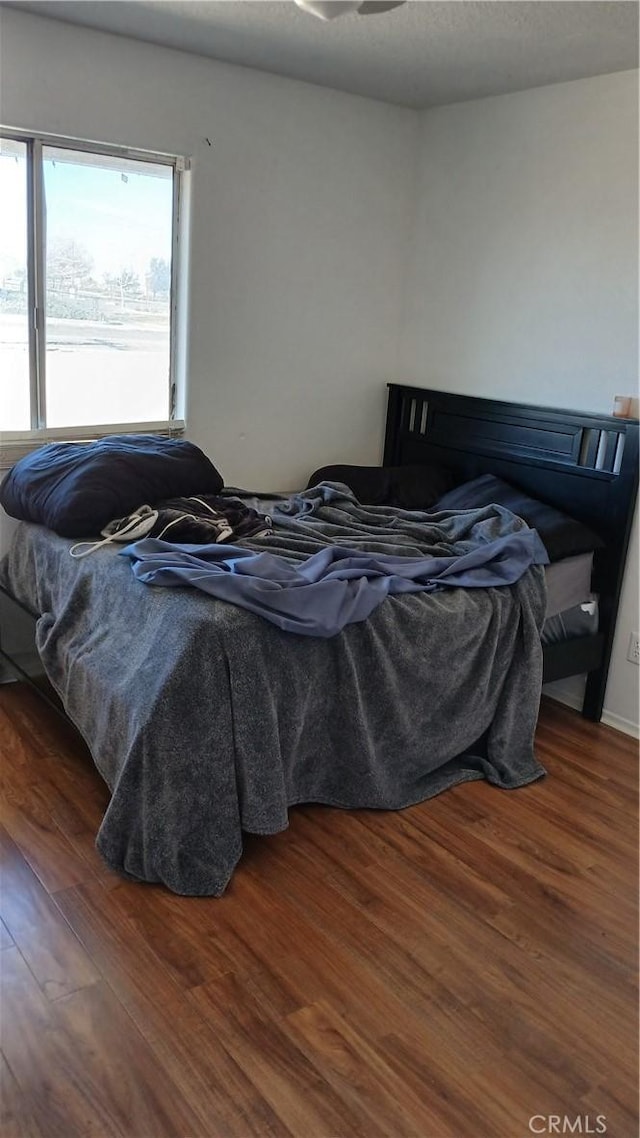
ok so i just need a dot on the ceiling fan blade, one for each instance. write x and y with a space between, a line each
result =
370 7
328 9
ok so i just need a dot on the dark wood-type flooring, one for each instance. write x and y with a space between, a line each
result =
448 971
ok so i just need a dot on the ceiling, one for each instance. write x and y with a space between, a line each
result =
424 54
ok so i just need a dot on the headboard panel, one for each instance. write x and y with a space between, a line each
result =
584 464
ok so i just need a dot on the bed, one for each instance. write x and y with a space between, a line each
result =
206 721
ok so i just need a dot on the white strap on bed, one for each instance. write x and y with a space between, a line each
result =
224 531
123 529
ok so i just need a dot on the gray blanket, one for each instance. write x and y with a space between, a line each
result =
337 586
205 720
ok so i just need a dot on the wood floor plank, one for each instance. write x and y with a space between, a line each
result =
292 962
83 1058
621 1116
571 1004
511 852
432 1015
47 791
568 776
37 1052
263 1048
455 874
458 1053
486 971
57 758
52 951
445 971
29 822
35 723
172 926
552 809
6 940
16 1109
607 755
126 1082
478 844
362 1076
185 1043
461 1105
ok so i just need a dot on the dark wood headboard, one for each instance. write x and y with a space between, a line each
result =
584 464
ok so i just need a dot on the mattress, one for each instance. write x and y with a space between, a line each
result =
572 609
580 620
568 583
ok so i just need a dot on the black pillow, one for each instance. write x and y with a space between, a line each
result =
370 484
75 489
562 535
418 487
407 487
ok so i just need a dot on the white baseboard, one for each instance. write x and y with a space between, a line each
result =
570 699
620 724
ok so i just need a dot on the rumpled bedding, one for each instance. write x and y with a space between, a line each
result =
337 585
207 721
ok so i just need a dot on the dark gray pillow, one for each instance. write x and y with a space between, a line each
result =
418 487
75 489
407 487
370 484
562 535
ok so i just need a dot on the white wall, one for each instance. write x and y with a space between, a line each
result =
299 217
523 281
623 696
524 274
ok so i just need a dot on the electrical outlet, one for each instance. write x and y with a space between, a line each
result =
634 648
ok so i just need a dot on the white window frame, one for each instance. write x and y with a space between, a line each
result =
14 444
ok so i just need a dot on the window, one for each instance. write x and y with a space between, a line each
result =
88 267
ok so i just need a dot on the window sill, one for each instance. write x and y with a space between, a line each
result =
16 444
